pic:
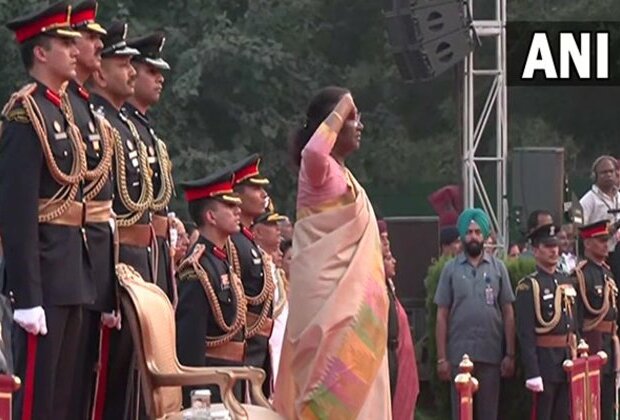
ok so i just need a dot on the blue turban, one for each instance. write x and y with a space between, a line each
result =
473 215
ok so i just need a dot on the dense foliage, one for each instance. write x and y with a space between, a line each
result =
244 70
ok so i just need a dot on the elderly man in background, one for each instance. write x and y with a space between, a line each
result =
602 201
475 316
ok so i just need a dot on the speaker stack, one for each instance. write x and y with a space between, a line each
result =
538 182
427 37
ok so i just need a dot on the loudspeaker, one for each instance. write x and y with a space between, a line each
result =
538 182
427 37
415 243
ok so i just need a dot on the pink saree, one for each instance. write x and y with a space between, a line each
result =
334 359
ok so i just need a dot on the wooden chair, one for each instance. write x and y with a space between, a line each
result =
150 317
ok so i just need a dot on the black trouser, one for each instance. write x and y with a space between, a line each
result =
553 403
257 355
486 399
608 391
54 364
86 364
120 402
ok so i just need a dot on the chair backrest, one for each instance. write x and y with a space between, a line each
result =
150 317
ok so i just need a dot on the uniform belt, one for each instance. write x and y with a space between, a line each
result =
553 341
233 351
160 224
73 215
98 211
606 327
135 235
265 329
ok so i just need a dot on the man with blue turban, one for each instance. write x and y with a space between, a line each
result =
475 316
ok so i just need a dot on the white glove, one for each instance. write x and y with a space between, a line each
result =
32 320
535 384
111 319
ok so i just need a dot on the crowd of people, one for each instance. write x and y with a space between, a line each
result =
572 295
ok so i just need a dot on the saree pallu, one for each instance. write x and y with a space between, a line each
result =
334 359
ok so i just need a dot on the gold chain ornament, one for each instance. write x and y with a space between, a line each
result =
69 182
100 174
136 208
562 298
191 268
161 201
264 298
609 299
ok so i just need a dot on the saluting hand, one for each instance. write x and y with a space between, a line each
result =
346 107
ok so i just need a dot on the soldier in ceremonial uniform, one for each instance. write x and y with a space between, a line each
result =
547 326
598 293
111 85
149 66
42 166
96 136
266 231
210 316
248 263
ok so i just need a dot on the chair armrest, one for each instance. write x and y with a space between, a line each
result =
192 377
256 377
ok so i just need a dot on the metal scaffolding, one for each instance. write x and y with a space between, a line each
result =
477 126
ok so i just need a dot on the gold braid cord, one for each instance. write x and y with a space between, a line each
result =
167 184
190 268
264 298
136 208
609 300
100 174
70 182
280 282
560 299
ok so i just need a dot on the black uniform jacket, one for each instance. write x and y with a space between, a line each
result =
99 235
194 315
595 278
137 257
543 361
46 264
147 135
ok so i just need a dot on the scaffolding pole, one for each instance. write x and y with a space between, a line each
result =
477 125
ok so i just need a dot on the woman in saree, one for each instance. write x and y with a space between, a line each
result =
334 358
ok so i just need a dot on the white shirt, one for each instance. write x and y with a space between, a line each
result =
567 262
596 206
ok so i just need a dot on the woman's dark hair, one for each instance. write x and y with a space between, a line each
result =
285 245
320 107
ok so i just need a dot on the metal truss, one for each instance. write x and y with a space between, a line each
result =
478 111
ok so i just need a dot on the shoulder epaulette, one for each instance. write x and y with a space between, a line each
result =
580 265
187 265
19 115
14 110
524 284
